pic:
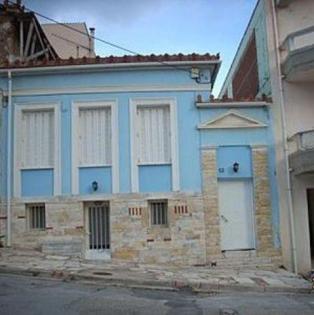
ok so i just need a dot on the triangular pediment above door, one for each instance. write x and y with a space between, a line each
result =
231 119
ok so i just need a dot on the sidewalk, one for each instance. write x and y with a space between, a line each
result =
198 279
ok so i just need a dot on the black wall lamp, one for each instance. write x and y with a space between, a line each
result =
94 186
236 167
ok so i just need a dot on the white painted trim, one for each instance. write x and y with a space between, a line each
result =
57 151
133 103
231 104
94 165
42 167
115 147
74 151
134 167
113 105
18 108
112 89
16 153
251 123
174 146
153 163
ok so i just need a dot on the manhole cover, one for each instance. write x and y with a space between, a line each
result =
228 311
102 273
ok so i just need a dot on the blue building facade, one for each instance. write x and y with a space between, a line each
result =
130 159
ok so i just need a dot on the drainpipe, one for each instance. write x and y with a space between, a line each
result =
9 157
284 140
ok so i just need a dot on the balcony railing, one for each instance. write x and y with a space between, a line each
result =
283 3
302 141
299 39
301 156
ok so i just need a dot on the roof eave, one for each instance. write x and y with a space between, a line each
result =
134 65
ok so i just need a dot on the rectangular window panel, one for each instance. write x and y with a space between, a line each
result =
37 133
95 136
36 216
154 138
159 212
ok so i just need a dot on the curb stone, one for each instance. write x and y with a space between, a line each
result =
152 284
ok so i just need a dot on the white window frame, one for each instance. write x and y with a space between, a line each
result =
137 102
76 106
18 109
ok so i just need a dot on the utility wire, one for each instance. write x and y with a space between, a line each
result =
132 52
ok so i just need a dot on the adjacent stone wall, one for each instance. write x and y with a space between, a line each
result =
64 234
133 238
210 200
182 242
263 213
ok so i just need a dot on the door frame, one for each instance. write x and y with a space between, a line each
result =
95 254
253 212
310 218
300 184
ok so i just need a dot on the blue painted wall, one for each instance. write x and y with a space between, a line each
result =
37 183
102 175
155 178
227 156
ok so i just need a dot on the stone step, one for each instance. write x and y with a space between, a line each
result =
235 263
239 253
243 260
247 267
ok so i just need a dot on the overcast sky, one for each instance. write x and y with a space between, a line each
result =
158 26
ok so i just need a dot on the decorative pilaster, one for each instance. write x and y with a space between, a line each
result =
263 215
210 199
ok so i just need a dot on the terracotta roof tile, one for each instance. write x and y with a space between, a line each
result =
114 60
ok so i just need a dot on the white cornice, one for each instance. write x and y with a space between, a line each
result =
232 104
113 89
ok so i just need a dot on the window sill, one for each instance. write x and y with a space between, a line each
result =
152 163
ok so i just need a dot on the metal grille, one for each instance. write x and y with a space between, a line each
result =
37 216
99 226
158 212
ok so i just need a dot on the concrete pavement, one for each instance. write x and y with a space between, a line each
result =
203 279
21 295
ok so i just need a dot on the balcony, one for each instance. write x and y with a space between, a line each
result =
301 159
283 3
298 55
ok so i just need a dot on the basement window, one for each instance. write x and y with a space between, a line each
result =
158 212
36 214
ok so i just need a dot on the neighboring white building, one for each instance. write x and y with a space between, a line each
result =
284 35
71 39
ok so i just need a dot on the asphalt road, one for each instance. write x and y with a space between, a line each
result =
26 295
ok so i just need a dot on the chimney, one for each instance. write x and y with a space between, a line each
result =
91 41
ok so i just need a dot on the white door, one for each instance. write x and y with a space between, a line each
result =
236 214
